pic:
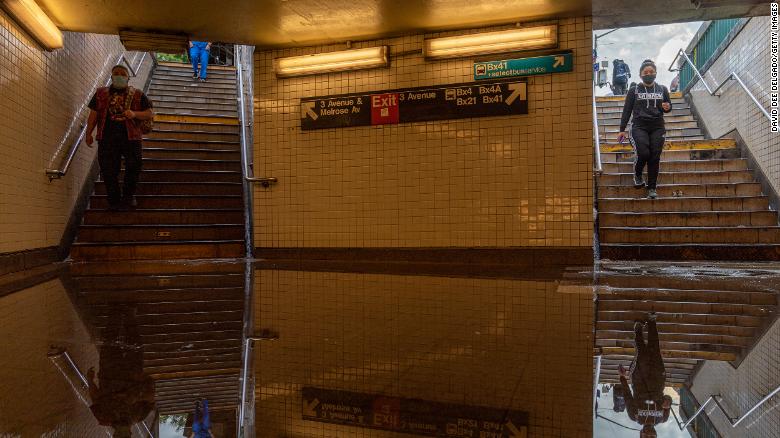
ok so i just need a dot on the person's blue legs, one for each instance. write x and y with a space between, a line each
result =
204 62
194 55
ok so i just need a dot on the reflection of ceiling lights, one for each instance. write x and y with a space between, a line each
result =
357 59
30 16
540 37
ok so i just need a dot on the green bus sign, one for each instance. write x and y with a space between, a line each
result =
538 65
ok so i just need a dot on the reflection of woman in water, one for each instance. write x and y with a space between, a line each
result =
123 394
647 405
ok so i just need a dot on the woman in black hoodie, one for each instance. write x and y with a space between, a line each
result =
645 105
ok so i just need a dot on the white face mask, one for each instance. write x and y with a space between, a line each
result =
119 81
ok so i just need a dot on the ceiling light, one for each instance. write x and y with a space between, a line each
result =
540 37
30 16
358 59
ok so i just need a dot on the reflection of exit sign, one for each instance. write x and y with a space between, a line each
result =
537 65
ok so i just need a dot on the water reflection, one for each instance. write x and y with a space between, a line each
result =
376 350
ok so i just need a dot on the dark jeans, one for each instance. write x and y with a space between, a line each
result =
649 373
619 87
110 154
648 144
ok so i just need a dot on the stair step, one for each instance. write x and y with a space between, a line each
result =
745 332
159 251
194 113
763 218
176 307
181 188
612 126
744 203
691 307
187 78
700 251
614 119
203 202
218 85
757 298
602 101
166 106
683 190
677 145
190 164
159 232
618 111
167 216
171 175
682 166
192 100
611 337
187 67
173 143
690 235
192 135
674 155
185 91
699 177
675 346
134 296
196 154
163 125
671 136
120 282
680 316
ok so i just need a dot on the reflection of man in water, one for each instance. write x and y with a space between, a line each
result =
647 405
123 395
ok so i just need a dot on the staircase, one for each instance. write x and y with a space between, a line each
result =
703 316
190 193
190 320
709 205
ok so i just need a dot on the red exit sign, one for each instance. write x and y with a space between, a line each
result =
384 109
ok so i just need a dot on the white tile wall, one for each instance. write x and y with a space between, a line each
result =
748 56
39 93
485 182
38 318
743 387
500 343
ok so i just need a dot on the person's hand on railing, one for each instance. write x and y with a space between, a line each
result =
89 140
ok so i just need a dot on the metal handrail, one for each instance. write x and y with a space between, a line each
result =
65 164
597 142
732 75
734 422
596 383
248 172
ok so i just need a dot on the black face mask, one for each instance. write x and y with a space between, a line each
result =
648 79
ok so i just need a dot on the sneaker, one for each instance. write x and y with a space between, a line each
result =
195 75
130 203
638 181
651 316
651 194
638 326
203 79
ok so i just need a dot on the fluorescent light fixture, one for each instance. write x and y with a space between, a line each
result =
30 16
357 59
539 37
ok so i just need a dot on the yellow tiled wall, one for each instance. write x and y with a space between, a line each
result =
39 93
524 345
521 180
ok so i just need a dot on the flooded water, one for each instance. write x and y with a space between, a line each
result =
376 350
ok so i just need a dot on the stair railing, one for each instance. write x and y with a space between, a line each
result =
734 422
596 140
244 123
62 170
732 75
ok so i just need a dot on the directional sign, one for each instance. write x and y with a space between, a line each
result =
413 416
538 65
455 101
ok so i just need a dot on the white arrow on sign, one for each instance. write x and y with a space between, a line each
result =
309 408
559 60
518 90
307 109
514 432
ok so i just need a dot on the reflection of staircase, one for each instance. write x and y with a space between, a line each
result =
699 317
190 318
190 202
709 204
